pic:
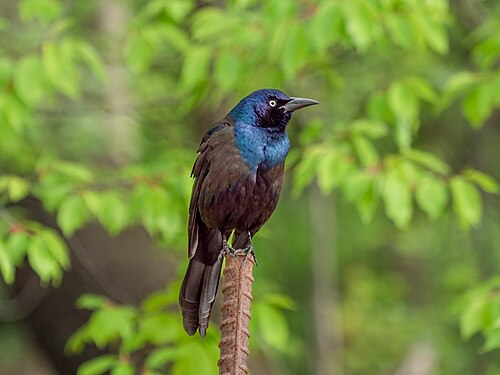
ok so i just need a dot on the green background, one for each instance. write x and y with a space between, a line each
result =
382 255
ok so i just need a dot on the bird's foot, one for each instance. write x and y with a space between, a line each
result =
247 251
227 249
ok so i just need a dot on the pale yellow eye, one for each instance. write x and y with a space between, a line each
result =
272 103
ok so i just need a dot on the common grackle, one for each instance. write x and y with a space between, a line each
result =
238 178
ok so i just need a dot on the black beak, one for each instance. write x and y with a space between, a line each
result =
298 103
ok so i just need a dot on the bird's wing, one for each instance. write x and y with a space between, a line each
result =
217 154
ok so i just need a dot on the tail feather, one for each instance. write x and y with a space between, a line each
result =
209 287
190 294
201 281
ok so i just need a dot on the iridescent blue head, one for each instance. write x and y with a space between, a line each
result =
268 108
260 121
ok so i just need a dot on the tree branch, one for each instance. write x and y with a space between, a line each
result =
237 291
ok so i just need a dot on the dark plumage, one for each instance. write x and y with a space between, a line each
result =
238 178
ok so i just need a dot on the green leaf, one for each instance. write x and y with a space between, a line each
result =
331 170
211 25
204 363
17 245
365 151
59 63
492 340
485 182
178 9
161 357
434 32
326 26
112 212
397 197
92 302
277 10
77 341
72 214
42 261
18 188
367 204
356 185
228 69
159 300
42 10
487 52
400 29
306 168
98 365
195 67
110 324
478 104
52 194
456 85
6 265
466 201
123 369
29 81
71 172
174 36
405 106
428 160
154 210
139 53
159 328
92 200
432 196
91 57
57 247
403 102
295 51
378 107
360 17
421 88
280 301
272 326
369 128
474 316
312 132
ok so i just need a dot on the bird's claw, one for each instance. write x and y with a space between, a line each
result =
227 250
247 251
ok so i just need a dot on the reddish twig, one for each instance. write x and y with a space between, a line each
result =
237 291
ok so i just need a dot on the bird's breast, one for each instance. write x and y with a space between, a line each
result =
251 201
261 146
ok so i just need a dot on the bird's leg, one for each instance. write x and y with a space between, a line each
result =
248 250
226 249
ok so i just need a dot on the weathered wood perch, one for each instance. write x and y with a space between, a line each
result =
237 292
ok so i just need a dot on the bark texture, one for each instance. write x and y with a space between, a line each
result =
237 292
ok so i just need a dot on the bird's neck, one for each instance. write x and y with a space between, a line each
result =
261 146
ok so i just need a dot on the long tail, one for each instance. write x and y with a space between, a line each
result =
201 281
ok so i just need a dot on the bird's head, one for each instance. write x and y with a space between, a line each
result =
268 108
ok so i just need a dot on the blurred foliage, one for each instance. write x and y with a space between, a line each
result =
480 312
397 80
156 323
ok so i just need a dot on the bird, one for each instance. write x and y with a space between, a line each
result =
238 176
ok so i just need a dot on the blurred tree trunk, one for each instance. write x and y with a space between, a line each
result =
122 131
420 360
326 353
